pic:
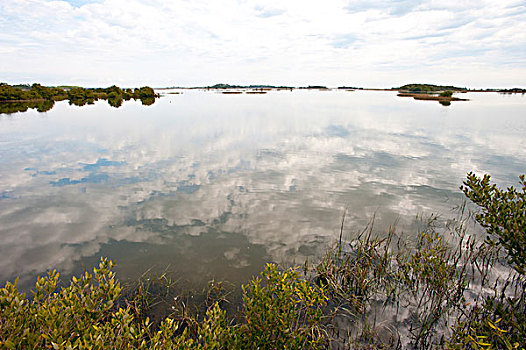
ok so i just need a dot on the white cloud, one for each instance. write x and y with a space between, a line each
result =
372 43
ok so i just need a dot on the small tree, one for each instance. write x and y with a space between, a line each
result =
503 215
498 321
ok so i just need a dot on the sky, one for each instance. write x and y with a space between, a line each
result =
366 43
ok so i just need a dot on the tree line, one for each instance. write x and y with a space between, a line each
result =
22 97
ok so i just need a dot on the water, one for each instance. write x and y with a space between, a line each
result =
209 185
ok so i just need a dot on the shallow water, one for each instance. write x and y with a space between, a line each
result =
210 185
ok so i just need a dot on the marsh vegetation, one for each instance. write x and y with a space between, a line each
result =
447 290
20 98
444 97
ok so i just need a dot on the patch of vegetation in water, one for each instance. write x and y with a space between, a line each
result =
438 292
512 91
20 98
315 87
429 88
444 97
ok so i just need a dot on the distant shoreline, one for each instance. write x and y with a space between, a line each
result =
18 98
413 88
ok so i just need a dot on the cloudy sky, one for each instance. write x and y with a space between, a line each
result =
371 43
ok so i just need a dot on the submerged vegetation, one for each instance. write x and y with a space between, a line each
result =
19 98
447 290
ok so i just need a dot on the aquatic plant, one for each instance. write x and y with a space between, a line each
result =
447 289
416 286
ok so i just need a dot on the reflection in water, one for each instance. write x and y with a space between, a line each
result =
46 105
148 101
214 185
80 102
115 102
14 107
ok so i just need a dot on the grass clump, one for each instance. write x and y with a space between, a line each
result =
413 289
447 289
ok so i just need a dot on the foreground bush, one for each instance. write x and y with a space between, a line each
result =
498 320
280 311
503 214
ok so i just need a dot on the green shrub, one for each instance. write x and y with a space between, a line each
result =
77 96
503 216
281 311
144 92
72 316
498 321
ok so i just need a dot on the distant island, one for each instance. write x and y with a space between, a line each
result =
423 88
442 94
512 91
418 91
19 98
428 88
228 86
314 87
429 92
266 87
409 88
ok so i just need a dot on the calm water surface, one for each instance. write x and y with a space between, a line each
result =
214 186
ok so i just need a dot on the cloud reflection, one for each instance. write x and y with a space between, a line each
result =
215 175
